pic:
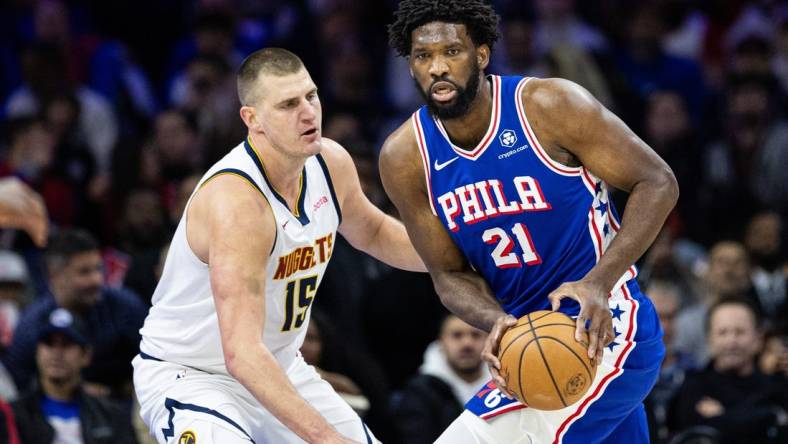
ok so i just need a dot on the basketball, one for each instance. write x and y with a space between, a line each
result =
543 364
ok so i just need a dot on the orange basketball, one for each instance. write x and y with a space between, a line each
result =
542 362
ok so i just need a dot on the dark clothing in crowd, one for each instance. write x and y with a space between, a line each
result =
8 432
750 406
657 403
425 408
101 421
112 325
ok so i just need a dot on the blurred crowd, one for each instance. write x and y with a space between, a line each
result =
113 110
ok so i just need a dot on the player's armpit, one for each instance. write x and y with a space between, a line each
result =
460 288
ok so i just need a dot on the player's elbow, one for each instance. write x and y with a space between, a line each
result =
668 186
233 361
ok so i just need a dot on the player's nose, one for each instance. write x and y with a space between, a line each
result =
438 67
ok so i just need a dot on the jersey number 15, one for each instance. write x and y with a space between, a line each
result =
295 316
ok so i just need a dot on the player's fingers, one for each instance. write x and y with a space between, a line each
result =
594 339
38 232
580 325
608 328
555 297
500 383
491 360
36 223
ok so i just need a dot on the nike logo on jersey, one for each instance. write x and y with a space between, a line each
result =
440 166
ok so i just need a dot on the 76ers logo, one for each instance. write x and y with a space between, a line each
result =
508 138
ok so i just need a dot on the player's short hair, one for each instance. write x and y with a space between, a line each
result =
66 244
478 17
273 61
735 300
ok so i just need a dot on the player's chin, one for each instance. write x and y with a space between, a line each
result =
312 146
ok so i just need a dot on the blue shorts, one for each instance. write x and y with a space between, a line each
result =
612 409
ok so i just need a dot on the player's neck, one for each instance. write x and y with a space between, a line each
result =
283 171
467 130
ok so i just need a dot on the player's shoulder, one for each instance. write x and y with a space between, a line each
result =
229 192
553 94
334 154
400 145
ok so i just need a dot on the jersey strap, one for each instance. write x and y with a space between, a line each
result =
326 173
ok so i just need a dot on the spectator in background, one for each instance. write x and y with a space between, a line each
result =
52 26
113 316
213 34
42 68
518 55
8 432
14 281
667 302
207 91
780 58
451 374
559 25
728 275
645 65
142 231
773 360
763 239
175 212
731 395
57 410
669 130
73 159
30 157
746 168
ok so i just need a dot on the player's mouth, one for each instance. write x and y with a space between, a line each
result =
311 134
443 91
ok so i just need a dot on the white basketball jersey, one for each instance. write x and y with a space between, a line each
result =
182 326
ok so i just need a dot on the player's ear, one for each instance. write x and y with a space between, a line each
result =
482 56
412 76
249 116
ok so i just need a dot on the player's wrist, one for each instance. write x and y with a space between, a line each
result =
600 285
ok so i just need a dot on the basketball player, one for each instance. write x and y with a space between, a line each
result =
503 185
219 360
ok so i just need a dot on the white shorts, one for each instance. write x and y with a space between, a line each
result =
184 405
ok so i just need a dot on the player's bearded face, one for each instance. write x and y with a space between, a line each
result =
460 104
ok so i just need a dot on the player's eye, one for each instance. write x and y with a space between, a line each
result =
453 52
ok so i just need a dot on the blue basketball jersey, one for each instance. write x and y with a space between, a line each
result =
526 223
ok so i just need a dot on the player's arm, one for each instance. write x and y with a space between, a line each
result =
568 121
460 288
232 228
364 225
21 207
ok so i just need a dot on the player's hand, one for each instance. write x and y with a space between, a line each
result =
490 351
594 310
23 208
